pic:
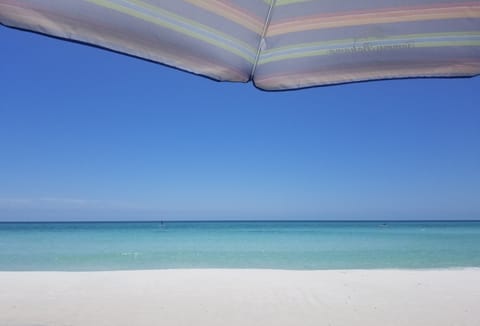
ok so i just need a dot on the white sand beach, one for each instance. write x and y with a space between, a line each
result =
241 297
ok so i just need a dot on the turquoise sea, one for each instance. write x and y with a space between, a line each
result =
278 245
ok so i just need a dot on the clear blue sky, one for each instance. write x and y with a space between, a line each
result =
89 134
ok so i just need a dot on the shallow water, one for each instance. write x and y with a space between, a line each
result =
278 245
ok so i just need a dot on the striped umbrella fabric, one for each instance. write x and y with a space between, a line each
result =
279 45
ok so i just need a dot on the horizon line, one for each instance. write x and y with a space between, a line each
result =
243 220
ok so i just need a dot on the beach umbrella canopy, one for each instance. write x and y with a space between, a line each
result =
279 45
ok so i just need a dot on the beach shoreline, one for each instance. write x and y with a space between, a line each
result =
241 297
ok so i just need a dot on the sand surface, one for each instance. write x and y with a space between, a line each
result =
241 297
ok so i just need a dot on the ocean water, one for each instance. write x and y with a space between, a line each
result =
277 245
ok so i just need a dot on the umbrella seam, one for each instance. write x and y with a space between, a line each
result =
262 38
